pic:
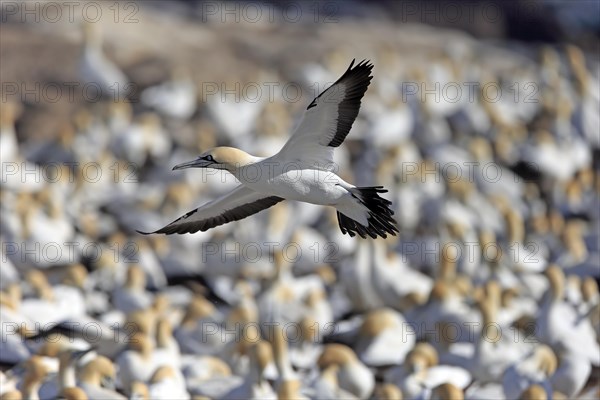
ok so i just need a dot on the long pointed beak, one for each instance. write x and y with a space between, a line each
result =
197 163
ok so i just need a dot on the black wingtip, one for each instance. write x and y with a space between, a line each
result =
144 233
364 63
380 220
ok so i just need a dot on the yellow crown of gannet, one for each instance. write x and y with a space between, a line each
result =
299 171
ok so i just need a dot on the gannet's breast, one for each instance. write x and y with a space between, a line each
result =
294 182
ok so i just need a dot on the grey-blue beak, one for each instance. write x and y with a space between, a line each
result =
197 163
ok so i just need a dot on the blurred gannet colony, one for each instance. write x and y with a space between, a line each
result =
490 152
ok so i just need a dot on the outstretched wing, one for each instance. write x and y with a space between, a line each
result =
233 206
328 119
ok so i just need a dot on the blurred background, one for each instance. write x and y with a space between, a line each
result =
482 120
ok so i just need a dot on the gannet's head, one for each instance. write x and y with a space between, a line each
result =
73 393
546 358
336 353
70 356
163 373
92 35
228 158
388 391
101 370
36 370
448 391
139 390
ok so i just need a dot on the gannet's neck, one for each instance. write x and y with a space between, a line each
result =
164 334
92 38
556 279
233 160
66 372
489 314
89 375
280 352
238 168
260 356
31 390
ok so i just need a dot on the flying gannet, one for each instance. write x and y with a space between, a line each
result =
300 171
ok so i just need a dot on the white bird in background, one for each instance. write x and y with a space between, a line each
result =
97 379
9 145
97 70
353 376
235 119
175 98
255 386
384 338
558 322
132 296
535 368
167 383
36 372
299 170
420 373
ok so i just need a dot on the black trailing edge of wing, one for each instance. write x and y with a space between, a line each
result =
235 214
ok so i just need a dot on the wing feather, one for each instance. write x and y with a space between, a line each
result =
329 117
240 203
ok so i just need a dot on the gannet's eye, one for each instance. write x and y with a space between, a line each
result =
209 158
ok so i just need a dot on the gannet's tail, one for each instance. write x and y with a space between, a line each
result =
380 217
